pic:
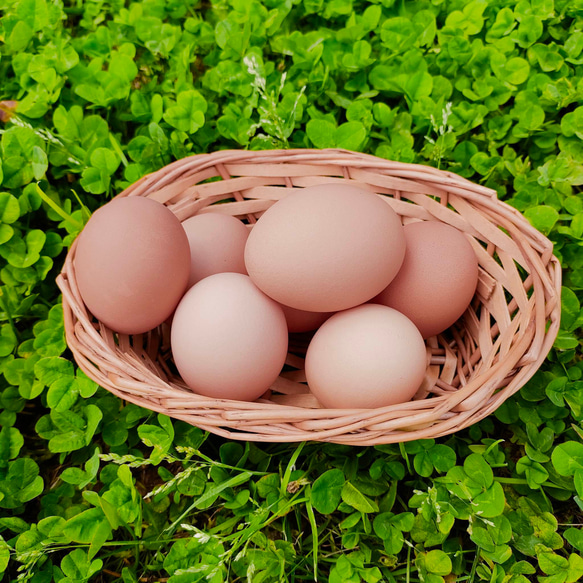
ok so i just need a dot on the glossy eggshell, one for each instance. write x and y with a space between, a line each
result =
438 278
302 321
366 357
131 264
325 248
228 339
217 245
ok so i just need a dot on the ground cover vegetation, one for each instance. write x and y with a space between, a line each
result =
97 93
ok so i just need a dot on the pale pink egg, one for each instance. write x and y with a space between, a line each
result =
228 339
366 357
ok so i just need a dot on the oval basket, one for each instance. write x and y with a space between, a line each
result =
474 366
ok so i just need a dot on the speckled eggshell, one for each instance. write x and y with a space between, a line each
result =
438 278
228 339
366 357
302 321
325 248
131 263
217 245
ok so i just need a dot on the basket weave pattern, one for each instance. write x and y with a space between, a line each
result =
474 366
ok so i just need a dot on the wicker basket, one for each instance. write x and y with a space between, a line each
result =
490 353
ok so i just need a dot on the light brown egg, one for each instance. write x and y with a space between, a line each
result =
437 280
131 263
325 248
366 357
302 321
217 245
228 339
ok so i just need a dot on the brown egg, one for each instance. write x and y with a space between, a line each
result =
366 357
217 245
438 277
325 248
302 321
132 263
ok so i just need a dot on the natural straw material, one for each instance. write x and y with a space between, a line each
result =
474 366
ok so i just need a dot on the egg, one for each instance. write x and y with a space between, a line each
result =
217 245
132 262
438 278
366 357
302 321
325 248
228 339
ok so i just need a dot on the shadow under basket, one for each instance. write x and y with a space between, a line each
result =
492 351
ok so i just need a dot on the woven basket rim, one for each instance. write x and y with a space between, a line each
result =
132 371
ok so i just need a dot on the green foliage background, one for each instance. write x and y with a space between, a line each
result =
108 91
